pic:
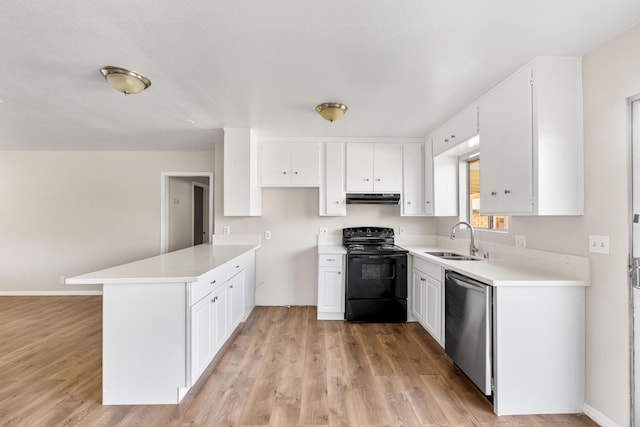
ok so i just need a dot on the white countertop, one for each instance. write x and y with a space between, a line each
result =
331 249
499 273
185 265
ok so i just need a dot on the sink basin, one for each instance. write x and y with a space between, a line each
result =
452 256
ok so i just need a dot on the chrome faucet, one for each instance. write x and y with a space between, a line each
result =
472 246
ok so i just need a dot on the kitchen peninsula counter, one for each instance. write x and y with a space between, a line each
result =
166 317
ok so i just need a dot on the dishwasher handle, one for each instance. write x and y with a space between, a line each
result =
466 282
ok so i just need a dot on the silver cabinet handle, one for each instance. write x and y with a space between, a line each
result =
284 172
408 203
366 179
339 272
453 135
295 173
507 191
428 202
331 259
211 283
231 286
446 140
493 193
378 180
237 266
338 202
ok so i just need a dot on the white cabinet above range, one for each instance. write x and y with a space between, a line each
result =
374 167
290 164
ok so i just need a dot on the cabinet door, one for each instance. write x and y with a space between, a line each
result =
412 180
201 337
275 162
236 301
387 168
305 164
418 282
330 290
428 177
334 179
433 314
464 125
517 144
359 167
491 153
219 317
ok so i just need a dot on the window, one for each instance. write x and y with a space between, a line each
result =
486 222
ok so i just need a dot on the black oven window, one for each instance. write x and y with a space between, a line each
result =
378 271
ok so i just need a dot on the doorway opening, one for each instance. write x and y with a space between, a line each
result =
186 214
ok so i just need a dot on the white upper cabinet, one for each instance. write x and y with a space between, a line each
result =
456 130
242 195
290 164
428 176
332 194
531 141
374 167
412 180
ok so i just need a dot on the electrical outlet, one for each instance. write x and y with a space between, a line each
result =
599 244
323 231
62 279
521 242
226 230
401 231
267 234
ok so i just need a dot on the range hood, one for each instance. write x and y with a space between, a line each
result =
373 198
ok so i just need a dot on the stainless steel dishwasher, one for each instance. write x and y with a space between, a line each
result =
468 327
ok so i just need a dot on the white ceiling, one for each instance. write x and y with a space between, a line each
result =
402 66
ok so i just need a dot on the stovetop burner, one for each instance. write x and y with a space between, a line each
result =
370 241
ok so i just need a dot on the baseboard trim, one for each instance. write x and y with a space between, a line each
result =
47 293
598 416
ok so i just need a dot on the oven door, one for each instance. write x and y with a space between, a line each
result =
376 276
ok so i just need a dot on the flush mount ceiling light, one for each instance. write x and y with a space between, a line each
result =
126 81
331 111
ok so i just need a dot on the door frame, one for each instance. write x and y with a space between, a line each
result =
205 189
633 129
164 203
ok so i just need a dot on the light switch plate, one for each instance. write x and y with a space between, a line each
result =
599 244
401 231
267 234
323 231
521 242
226 230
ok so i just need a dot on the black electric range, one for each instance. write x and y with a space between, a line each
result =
376 279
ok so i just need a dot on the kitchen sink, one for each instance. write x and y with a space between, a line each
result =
453 256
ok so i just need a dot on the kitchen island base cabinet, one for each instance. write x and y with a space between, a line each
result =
539 350
158 338
143 339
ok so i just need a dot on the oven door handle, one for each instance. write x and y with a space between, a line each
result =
378 256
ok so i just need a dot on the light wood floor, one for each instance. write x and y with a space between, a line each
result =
283 368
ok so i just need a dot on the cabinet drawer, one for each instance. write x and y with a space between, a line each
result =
238 264
428 268
330 260
208 282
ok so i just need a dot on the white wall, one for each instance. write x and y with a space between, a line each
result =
286 265
611 74
68 213
180 213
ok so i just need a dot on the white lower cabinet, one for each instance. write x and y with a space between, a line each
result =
215 316
427 297
201 337
330 287
236 300
219 317
418 285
